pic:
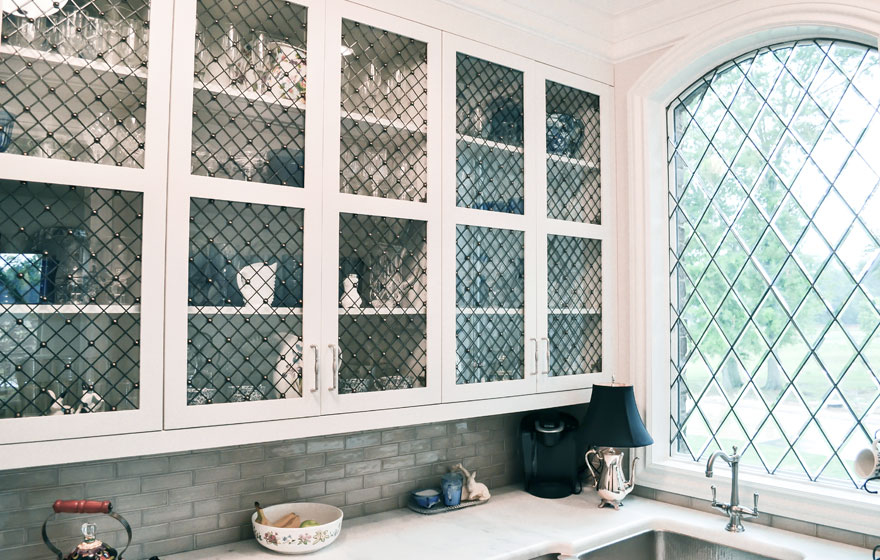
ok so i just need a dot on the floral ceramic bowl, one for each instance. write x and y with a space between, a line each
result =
299 540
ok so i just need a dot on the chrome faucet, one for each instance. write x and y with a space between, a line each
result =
733 509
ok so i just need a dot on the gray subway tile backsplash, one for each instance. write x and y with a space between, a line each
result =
182 501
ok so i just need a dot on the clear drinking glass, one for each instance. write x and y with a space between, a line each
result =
260 64
235 61
95 35
203 54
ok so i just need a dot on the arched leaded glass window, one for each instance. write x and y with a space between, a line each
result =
774 224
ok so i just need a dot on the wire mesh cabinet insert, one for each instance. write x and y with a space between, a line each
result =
243 329
82 168
383 217
574 246
489 235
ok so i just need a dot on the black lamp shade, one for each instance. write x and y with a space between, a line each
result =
613 419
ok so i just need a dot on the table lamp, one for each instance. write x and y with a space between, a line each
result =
613 422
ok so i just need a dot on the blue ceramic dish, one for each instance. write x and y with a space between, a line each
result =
564 134
427 497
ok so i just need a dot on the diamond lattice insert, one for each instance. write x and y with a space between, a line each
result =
489 304
384 114
574 282
489 131
70 267
573 182
244 339
249 91
383 294
73 82
770 188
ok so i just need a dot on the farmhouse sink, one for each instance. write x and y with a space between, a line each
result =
666 545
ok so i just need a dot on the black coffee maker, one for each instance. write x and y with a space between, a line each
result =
550 451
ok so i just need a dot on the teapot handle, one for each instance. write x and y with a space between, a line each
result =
84 506
589 466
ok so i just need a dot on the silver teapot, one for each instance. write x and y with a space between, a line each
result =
610 482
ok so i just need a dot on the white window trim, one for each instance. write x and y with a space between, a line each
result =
648 248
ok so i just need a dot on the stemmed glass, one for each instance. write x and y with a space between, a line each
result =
235 62
261 63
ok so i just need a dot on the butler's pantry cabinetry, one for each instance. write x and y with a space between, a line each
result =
363 213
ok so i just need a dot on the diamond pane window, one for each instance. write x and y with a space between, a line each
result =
384 114
775 299
574 281
70 267
489 305
73 81
244 339
573 186
383 286
489 136
249 91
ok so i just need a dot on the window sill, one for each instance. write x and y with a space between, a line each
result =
842 508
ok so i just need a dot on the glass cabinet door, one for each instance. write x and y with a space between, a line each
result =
488 224
573 345
245 195
490 305
249 91
489 128
382 350
573 182
70 295
73 80
574 243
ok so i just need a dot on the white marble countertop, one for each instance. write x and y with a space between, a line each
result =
515 525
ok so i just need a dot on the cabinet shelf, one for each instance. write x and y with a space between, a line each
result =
243 100
573 311
372 311
70 309
56 69
381 123
489 144
489 311
233 310
574 162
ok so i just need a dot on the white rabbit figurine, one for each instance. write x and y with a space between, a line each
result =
90 401
57 406
472 490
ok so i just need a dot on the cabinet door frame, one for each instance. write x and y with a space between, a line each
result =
336 202
604 231
454 216
150 181
183 185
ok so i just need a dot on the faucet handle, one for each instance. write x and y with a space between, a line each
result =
714 495
755 510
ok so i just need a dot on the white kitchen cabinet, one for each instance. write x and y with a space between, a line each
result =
83 128
243 318
309 146
576 246
525 247
381 212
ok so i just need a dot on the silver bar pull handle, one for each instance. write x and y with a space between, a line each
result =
317 353
335 350
535 342
546 356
